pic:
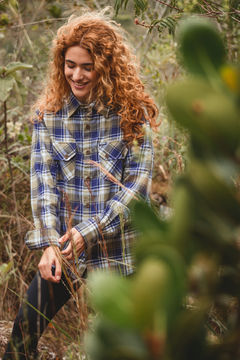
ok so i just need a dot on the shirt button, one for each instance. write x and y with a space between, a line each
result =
88 152
88 127
66 156
87 205
106 156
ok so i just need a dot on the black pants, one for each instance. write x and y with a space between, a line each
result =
48 298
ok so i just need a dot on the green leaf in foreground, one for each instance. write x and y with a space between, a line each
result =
111 297
201 46
109 342
203 111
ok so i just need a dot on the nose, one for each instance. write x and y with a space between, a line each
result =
78 74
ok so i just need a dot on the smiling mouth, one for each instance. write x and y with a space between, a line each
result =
80 84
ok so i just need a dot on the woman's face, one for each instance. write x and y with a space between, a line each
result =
79 72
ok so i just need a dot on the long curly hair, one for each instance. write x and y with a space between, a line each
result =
118 85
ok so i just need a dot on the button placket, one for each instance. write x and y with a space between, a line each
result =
87 188
87 150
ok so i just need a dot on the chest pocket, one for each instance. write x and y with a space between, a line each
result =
65 154
111 156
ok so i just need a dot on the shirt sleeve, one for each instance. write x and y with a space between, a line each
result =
45 197
136 184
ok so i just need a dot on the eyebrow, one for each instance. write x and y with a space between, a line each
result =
72 62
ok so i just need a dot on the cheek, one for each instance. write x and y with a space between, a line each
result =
67 72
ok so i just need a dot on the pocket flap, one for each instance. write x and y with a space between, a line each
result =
64 151
113 150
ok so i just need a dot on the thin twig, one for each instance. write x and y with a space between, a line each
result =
173 7
32 23
177 143
234 19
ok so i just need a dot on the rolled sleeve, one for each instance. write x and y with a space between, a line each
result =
36 239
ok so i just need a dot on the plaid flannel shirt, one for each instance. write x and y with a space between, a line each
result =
65 186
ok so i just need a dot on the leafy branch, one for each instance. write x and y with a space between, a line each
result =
203 8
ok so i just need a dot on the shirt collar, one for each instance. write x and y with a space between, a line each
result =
72 104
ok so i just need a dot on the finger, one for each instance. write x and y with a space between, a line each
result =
64 238
68 250
46 272
58 270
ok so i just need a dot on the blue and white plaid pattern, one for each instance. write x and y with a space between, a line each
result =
65 184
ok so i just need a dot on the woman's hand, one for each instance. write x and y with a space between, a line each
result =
51 256
79 244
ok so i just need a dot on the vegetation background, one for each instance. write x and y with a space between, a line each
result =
25 36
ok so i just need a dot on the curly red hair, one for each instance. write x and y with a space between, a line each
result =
118 85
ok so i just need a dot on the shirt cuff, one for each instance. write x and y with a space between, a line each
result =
38 239
89 230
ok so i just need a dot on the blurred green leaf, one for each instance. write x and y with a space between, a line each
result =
203 110
17 92
4 272
118 4
55 11
14 66
6 85
4 268
20 137
140 4
148 222
2 69
214 191
23 91
111 297
188 340
109 342
201 46
151 291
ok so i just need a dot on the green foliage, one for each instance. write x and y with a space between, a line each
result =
166 15
203 110
55 11
102 343
140 6
167 23
191 262
118 4
201 58
15 66
6 85
5 273
8 82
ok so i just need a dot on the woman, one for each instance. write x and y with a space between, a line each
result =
92 110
